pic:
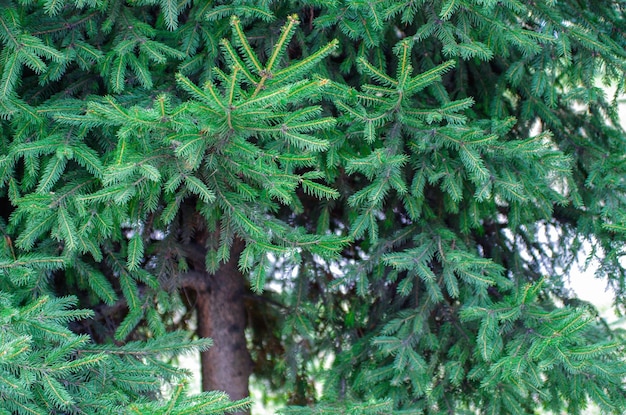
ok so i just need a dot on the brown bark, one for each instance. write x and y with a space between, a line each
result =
226 366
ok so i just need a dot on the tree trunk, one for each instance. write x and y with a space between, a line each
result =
226 366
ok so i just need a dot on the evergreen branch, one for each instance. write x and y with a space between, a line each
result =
283 41
67 228
197 93
118 73
448 9
234 57
232 86
10 73
318 190
35 261
34 229
140 70
250 227
356 114
9 29
303 141
198 187
219 403
249 55
129 323
426 78
376 74
51 174
169 8
258 275
312 125
215 98
297 68
265 99
226 10
102 287
135 252
64 26
59 395
131 293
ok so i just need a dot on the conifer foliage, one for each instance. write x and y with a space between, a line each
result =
406 186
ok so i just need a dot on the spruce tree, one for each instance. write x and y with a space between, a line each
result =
379 200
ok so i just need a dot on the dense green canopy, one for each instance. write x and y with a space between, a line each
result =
403 187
